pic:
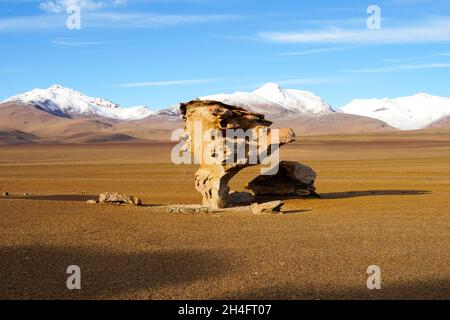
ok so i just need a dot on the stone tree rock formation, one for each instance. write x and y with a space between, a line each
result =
292 179
207 124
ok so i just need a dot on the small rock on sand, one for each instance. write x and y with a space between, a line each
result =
268 207
119 198
92 201
5 194
190 209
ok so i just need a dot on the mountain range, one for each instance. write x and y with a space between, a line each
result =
62 115
406 113
66 102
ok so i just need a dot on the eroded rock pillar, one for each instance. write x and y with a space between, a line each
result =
225 139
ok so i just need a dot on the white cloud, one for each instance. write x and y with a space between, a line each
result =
401 68
434 30
165 83
61 6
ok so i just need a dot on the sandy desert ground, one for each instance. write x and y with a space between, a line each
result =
386 202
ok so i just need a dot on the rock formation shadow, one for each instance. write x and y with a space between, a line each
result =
39 272
367 193
60 197
346 194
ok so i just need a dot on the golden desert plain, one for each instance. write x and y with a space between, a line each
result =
385 202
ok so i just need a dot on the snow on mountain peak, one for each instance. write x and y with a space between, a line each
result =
273 100
269 87
298 101
63 101
405 113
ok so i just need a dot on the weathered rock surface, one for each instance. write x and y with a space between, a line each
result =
267 208
292 179
119 198
202 118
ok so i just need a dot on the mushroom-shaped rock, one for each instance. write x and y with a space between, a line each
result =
225 139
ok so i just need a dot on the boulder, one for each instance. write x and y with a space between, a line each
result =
267 208
119 198
292 179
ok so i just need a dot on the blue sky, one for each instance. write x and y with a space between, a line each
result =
160 52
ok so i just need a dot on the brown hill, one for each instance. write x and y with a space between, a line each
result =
11 136
441 123
25 117
20 119
151 128
335 123
66 128
96 137
23 123
160 128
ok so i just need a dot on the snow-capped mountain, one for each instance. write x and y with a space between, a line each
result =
275 101
405 113
66 102
172 113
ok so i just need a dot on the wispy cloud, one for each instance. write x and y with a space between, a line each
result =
429 31
12 69
399 60
314 51
33 23
406 2
445 54
110 20
401 68
148 20
78 43
165 83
